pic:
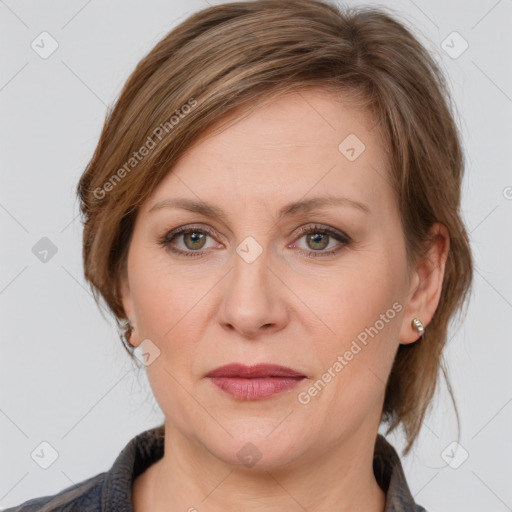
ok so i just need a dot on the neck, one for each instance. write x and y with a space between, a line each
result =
190 478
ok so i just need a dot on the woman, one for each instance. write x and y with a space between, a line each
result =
272 214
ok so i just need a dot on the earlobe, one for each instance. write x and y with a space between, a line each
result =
426 286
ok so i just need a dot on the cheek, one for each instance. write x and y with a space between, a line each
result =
172 321
364 309
363 294
168 306
163 295
355 366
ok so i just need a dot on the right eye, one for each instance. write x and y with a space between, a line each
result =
193 240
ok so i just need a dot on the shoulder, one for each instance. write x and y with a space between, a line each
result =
84 496
110 490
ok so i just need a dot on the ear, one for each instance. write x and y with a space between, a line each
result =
126 298
426 284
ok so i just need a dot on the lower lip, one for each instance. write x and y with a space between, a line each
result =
255 389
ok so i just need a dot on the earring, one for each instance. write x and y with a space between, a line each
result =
418 325
128 329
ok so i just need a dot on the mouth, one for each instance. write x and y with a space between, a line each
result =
254 382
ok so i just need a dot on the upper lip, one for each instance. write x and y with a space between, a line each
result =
256 371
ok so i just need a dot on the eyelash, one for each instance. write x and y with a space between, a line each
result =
166 240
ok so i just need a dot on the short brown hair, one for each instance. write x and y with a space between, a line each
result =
225 59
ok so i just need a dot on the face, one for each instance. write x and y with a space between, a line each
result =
320 288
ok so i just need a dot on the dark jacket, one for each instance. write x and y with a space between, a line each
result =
111 491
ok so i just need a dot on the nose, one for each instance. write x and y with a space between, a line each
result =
254 299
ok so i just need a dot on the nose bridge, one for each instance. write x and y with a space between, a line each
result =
251 264
252 296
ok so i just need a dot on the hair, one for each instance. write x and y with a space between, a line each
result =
226 59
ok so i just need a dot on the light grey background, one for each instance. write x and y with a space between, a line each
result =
65 378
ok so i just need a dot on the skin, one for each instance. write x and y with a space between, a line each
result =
284 307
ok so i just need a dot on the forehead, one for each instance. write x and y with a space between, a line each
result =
303 143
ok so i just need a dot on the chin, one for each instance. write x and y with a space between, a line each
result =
256 447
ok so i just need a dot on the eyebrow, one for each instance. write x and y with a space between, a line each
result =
289 210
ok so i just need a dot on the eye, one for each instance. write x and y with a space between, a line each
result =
193 240
318 238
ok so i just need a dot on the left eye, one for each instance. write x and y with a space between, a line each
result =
194 241
317 239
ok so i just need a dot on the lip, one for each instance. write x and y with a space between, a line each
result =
254 382
257 371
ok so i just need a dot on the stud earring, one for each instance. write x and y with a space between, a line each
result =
418 325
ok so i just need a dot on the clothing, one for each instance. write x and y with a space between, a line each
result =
111 491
